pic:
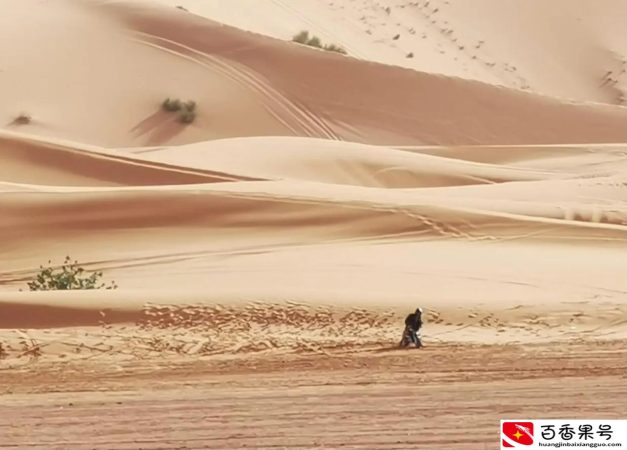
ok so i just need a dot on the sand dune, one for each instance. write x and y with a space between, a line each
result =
316 195
315 200
337 163
30 160
475 40
140 55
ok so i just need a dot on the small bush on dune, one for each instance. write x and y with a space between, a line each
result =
334 48
186 110
302 37
69 276
190 105
171 105
314 41
187 116
22 119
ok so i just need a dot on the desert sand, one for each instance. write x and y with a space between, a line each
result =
267 253
565 48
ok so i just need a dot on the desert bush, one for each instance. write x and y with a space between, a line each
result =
69 276
334 48
172 105
22 119
186 110
314 41
187 115
302 37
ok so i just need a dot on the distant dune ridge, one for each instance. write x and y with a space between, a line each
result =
564 48
140 54
344 185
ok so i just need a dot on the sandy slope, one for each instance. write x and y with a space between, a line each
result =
565 48
283 236
323 217
139 55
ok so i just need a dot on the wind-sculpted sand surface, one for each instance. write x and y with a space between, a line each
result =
138 390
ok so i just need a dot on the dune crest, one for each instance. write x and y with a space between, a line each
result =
581 40
141 54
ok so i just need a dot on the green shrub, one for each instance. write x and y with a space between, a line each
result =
186 110
314 41
334 48
69 276
190 105
302 37
22 119
187 116
171 105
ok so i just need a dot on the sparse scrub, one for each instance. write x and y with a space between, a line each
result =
302 37
190 105
171 105
314 41
335 48
23 119
69 276
186 110
187 116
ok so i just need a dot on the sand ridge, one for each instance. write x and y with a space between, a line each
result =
472 41
281 88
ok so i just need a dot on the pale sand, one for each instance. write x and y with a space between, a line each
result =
268 253
248 85
565 48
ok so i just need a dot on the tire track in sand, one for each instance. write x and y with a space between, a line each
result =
296 117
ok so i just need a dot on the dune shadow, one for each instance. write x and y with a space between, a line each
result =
151 122
159 127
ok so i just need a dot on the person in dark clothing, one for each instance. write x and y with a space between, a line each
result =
411 334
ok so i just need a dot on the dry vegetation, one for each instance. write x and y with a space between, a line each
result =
186 110
70 275
314 41
23 119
